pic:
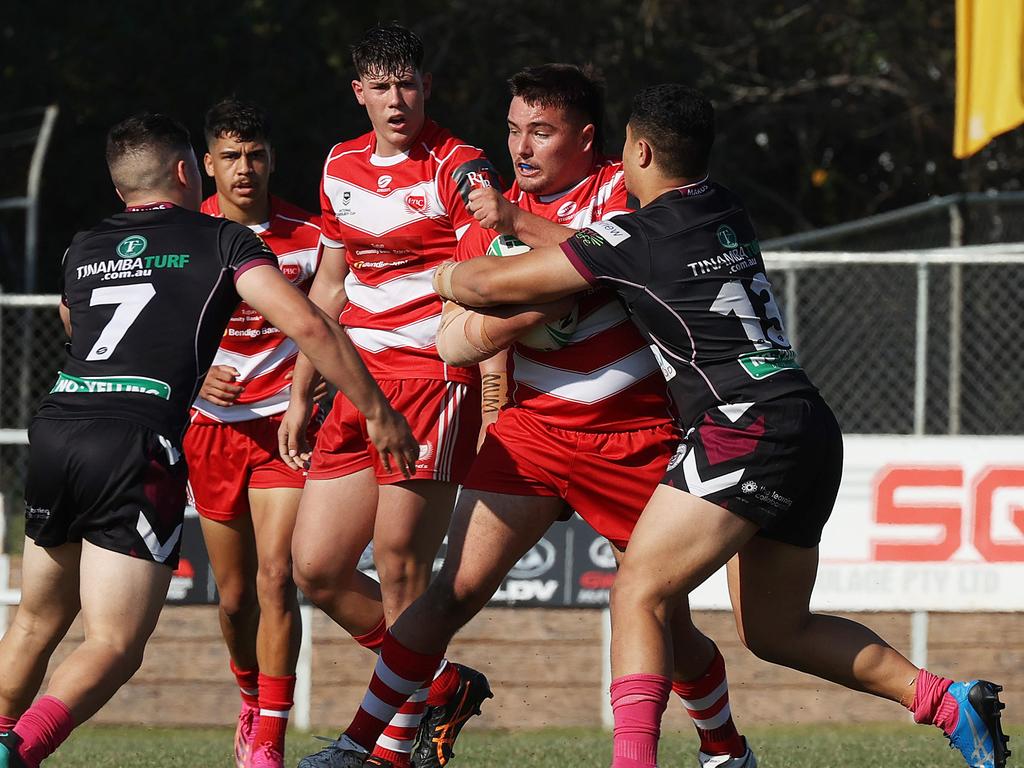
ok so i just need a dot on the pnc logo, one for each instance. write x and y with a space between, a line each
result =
383 182
132 246
727 237
292 272
416 203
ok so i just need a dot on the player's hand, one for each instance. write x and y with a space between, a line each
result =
219 386
391 436
291 437
492 210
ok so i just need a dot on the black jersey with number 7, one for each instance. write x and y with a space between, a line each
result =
689 270
149 292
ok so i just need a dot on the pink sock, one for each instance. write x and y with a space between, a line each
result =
932 704
7 722
638 702
42 729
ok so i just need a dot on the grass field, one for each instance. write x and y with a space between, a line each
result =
855 746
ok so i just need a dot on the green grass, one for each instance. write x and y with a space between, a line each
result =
817 746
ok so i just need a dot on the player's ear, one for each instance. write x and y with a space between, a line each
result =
427 80
208 164
181 173
645 155
587 137
357 89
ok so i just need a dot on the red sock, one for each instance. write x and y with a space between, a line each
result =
42 729
707 701
446 683
638 702
277 695
248 684
399 673
932 704
373 639
7 722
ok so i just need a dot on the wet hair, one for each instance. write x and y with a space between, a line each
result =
679 124
576 90
233 117
143 150
387 50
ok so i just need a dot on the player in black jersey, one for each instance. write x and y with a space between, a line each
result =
147 295
755 477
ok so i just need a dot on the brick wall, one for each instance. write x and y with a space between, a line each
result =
545 668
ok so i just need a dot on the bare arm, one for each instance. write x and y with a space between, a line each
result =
468 337
327 293
65 317
536 277
494 211
330 350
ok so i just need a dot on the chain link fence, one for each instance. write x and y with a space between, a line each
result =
899 342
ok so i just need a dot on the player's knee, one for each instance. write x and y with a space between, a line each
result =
400 568
451 606
274 581
320 582
631 590
237 600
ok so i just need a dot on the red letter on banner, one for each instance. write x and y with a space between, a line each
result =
888 512
989 481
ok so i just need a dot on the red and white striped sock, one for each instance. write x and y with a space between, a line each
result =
399 673
707 701
277 696
396 743
248 681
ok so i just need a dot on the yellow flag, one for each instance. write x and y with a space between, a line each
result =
989 71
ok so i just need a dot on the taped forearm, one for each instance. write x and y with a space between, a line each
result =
462 337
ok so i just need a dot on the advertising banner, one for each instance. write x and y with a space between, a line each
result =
921 523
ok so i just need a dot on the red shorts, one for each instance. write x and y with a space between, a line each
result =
444 417
225 460
607 477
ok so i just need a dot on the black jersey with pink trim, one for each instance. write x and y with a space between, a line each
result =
689 269
149 292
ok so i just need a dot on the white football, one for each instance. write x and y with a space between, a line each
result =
549 336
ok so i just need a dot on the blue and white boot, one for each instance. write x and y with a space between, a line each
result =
979 734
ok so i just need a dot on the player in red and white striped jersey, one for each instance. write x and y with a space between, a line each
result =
247 497
588 427
394 207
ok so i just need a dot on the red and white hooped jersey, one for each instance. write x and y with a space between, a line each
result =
606 379
259 351
397 218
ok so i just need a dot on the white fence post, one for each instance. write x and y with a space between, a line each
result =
304 672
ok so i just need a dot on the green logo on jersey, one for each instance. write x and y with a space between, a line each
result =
131 246
727 237
143 385
761 365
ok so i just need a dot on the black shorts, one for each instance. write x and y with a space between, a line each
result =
116 484
776 463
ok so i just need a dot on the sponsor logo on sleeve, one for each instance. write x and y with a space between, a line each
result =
610 231
727 237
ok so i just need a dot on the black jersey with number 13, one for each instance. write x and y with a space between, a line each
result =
689 270
150 291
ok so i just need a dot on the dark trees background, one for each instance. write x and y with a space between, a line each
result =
827 111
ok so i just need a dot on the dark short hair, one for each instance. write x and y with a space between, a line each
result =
233 117
574 89
147 132
679 124
387 49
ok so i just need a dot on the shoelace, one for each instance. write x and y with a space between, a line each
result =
443 736
267 750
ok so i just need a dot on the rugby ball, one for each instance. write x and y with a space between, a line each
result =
549 336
